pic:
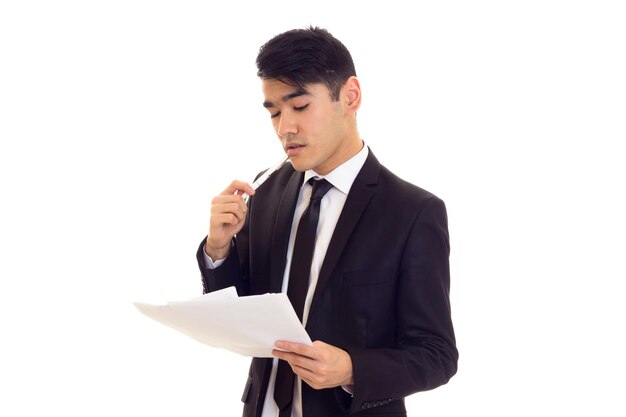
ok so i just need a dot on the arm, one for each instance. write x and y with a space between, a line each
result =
228 214
228 218
229 273
425 355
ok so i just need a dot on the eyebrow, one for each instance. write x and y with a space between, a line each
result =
299 92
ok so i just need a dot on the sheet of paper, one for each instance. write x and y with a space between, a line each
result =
248 326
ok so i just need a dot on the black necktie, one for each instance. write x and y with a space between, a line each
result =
299 284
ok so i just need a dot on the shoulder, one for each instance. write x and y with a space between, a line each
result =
400 191
389 184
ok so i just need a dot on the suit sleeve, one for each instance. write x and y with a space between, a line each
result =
425 355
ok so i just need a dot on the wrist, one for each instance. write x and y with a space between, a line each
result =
216 254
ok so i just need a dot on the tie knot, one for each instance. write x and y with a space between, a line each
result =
320 188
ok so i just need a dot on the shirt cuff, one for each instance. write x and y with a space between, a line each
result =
349 389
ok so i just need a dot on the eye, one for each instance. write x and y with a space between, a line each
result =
275 115
301 107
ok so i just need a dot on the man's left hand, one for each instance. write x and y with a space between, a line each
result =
320 365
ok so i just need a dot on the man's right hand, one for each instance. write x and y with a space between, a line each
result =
228 214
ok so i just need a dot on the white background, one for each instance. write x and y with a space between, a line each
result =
119 121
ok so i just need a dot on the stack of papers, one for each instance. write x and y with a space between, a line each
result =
249 326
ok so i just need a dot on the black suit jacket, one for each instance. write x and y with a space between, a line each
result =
382 293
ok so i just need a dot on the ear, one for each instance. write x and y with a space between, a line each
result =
352 94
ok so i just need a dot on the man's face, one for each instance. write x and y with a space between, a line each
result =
313 129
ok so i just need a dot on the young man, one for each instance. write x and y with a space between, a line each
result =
362 254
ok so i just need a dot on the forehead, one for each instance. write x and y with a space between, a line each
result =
277 92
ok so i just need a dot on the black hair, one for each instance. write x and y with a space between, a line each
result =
306 56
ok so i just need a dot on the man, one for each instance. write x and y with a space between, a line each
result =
373 288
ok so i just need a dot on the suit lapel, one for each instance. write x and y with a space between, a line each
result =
280 238
361 192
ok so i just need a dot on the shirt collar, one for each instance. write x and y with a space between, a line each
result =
344 175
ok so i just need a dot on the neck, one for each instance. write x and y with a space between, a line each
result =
351 147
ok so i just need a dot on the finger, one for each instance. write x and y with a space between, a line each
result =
239 209
227 199
295 360
304 373
231 203
285 356
224 218
298 348
314 380
238 187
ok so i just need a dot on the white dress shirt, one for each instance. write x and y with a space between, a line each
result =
332 204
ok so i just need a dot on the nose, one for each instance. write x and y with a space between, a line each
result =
286 125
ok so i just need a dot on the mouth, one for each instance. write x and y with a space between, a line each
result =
293 149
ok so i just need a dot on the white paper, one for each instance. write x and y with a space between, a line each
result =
248 326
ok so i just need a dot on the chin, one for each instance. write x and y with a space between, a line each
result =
300 166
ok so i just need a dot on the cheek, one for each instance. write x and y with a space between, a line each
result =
319 124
